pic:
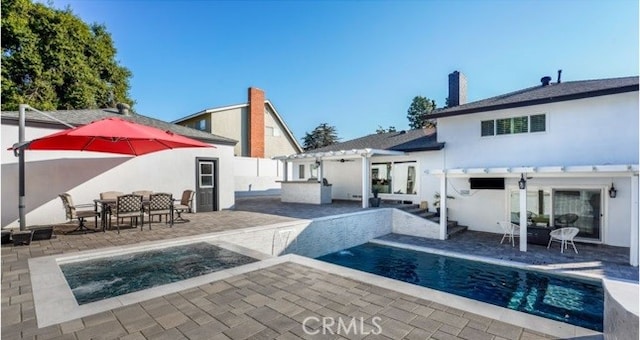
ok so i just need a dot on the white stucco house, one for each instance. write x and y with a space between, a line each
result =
573 144
85 174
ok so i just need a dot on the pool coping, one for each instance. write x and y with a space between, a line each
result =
55 303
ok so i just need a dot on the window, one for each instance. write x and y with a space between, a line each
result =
202 125
538 123
206 174
513 125
394 177
301 171
272 131
488 128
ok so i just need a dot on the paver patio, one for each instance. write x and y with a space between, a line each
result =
270 303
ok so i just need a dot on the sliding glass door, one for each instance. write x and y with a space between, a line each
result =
538 207
580 208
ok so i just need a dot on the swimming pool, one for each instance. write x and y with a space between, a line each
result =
107 277
574 301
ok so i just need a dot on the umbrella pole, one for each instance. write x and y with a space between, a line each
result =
21 198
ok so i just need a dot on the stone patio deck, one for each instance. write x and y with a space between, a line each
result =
270 303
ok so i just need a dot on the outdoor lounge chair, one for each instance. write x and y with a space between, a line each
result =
73 212
160 204
564 236
511 231
129 205
185 205
565 220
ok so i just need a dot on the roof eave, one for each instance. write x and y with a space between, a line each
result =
437 147
548 100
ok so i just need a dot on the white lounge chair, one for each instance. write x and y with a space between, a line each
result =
511 231
564 236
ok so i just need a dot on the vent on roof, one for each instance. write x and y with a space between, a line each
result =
559 74
545 80
124 109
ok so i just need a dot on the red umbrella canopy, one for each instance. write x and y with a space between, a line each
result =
115 135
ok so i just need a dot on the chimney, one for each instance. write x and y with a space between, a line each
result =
123 109
457 89
545 80
559 74
256 122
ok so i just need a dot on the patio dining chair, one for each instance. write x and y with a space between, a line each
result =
106 205
130 206
144 193
160 204
185 205
79 212
511 231
564 236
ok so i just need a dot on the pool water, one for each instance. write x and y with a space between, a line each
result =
574 301
99 279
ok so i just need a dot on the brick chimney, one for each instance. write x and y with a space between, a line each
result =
256 122
457 89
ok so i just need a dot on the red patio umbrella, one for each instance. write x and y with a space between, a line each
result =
114 135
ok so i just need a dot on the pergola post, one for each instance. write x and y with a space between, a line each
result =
443 206
523 213
285 170
366 180
633 248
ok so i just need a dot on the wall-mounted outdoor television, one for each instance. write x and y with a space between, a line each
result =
487 183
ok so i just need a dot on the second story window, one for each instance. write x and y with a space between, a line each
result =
513 125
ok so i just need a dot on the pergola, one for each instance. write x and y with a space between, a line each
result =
320 157
521 173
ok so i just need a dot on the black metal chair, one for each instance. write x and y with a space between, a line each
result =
160 204
130 206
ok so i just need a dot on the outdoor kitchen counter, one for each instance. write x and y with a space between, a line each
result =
312 192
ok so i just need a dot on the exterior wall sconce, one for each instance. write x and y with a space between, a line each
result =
612 191
522 183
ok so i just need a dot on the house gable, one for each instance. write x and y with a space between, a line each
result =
234 121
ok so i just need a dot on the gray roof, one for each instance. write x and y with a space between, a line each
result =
408 141
554 92
82 117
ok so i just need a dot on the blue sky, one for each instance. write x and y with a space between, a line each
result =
356 64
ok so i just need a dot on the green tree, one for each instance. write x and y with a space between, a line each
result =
321 136
419 111
380 129
52 60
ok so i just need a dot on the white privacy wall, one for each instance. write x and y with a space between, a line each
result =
257 175
85 174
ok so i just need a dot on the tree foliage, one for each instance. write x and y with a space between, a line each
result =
51 60
380 129
418 112
321 136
